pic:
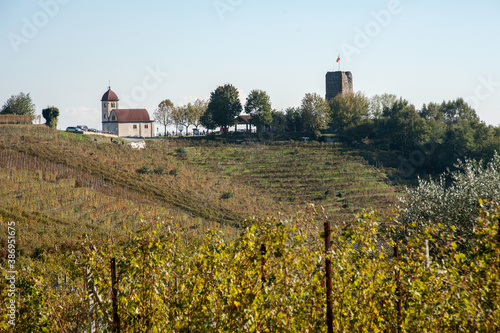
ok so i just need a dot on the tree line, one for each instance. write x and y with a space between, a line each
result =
221 111
224 107
433 137
430 139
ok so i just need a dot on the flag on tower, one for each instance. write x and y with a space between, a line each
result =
338 58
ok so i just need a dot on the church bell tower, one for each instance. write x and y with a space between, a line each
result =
109 102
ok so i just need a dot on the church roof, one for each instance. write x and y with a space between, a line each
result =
132 115
109 96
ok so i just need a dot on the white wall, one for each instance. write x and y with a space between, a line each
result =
127 129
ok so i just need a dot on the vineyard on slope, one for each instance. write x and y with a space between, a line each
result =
61 186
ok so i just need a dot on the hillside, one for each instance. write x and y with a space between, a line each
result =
61 186
293 173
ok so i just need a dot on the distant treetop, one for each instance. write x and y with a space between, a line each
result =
20 104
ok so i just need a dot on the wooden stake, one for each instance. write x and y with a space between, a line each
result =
114 297
328 271
90 291
398 290
427 255
263 252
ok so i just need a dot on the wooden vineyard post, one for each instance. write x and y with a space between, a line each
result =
90 291
114 297
398 288
263 252
328 271
498 232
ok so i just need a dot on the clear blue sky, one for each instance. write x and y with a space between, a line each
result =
425 51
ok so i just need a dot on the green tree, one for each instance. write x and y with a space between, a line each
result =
485 141
403 127
207 121
224 106
379 102
315 113
179 117
189 115
258 106
51 114
163 114
457 132
462 122
293 119
20 105
434 118
458 110
349 110
458 143
432 111
279 123
200 107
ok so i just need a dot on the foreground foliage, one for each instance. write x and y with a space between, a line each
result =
453 199
167 283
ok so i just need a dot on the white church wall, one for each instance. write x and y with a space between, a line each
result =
129 129
148 130
145 130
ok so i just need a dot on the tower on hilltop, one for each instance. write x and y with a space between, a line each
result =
109 102
338 83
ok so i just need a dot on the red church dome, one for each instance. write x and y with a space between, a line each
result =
109 96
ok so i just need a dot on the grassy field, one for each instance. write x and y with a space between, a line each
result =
62 186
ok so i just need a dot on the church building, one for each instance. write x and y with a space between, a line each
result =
124 122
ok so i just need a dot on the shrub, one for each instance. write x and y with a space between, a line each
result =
160 170
227 195
453 199
38 253
145 169
181 150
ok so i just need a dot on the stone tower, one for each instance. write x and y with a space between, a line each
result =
109 102
338 83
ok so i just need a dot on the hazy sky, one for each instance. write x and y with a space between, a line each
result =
64 52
